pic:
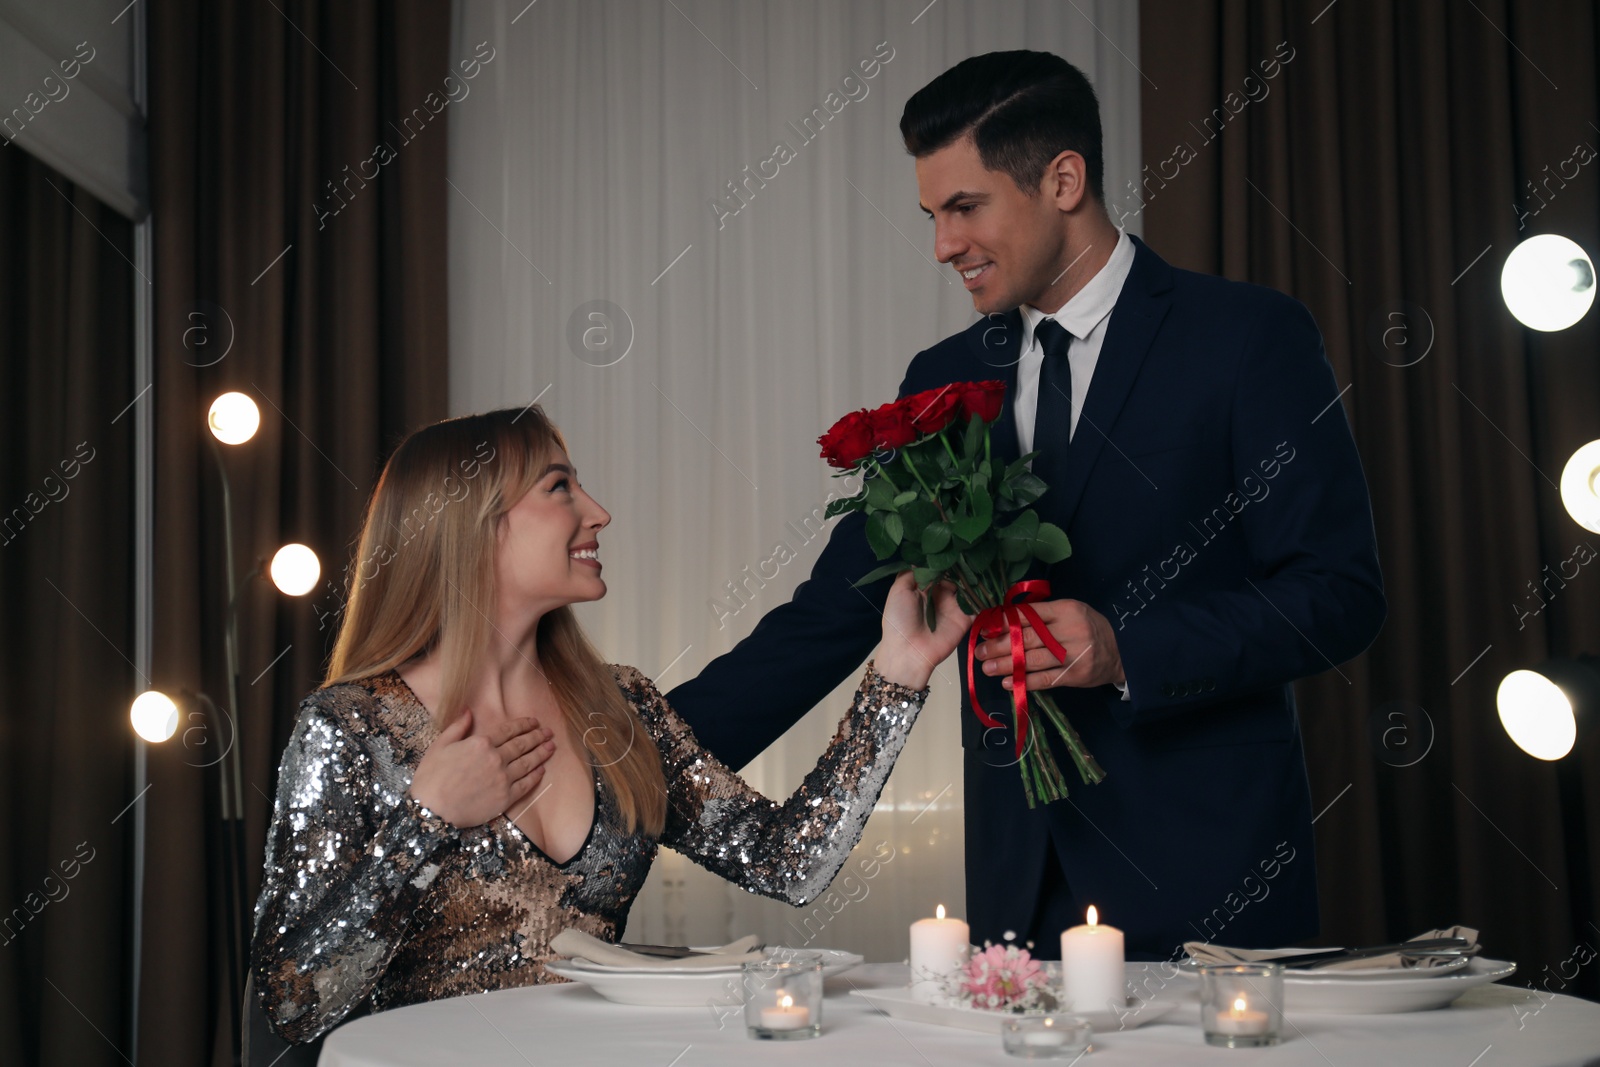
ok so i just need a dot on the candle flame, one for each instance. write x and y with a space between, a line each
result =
939 912
1094 916
1239 1004
788 1002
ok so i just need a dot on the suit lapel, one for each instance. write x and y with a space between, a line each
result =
995 342
1140 309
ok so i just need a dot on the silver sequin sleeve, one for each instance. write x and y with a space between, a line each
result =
350 856
790 850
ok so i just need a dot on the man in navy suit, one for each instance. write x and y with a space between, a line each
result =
1197 455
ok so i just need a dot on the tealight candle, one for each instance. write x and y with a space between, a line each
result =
1093 974
938 947
1239 1003
1045 1037
783 995
786 1014
1241 1020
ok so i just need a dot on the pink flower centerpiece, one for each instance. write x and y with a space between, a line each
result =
1005 979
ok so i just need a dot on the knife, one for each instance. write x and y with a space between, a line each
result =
1436 946
673 952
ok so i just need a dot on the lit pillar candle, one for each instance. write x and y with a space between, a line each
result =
938 947
1092 970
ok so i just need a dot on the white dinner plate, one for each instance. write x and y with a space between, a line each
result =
898 1003
834 961
664 987
1190 968
1328 993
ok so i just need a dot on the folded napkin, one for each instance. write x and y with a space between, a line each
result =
1205 952
579 945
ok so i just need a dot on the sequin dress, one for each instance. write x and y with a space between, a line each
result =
371 900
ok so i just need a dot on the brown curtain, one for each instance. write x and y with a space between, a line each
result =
1366 175
67 628
297 263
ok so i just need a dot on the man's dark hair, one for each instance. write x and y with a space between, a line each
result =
1022 109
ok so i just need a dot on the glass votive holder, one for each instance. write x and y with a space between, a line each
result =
1046 1037
1241 1004
783 996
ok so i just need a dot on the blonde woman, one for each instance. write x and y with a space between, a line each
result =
472 778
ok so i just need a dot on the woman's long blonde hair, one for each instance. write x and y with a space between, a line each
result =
423 581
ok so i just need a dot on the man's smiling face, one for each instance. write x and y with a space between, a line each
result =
982 222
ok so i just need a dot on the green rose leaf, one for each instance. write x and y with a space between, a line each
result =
927 468
1015 548
972 444
882 544
982 556
935 536
881 493
1026 488
1051 545
1019 466
971 527
1023 528
905 498
918 516
893 528
983 504
882 572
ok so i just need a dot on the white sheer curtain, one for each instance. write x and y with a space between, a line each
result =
692 345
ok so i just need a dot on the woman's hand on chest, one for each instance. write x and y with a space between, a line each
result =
468 776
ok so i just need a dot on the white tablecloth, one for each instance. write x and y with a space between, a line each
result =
1491 1026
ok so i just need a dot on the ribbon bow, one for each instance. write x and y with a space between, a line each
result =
1008 616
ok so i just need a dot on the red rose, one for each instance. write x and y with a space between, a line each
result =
849 442
933 410
982 399
892 426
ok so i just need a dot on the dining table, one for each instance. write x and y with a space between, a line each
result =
1489 1026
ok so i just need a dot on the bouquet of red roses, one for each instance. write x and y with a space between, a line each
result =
936 504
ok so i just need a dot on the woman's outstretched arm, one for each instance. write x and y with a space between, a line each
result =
791 850
349 859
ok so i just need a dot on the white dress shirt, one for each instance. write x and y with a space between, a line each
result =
1086 317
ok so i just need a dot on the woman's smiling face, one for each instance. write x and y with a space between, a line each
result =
547 552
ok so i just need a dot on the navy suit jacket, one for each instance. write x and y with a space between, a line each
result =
1219 519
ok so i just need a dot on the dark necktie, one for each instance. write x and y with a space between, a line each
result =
1052 422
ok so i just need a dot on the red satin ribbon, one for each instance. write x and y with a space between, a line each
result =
1008 616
